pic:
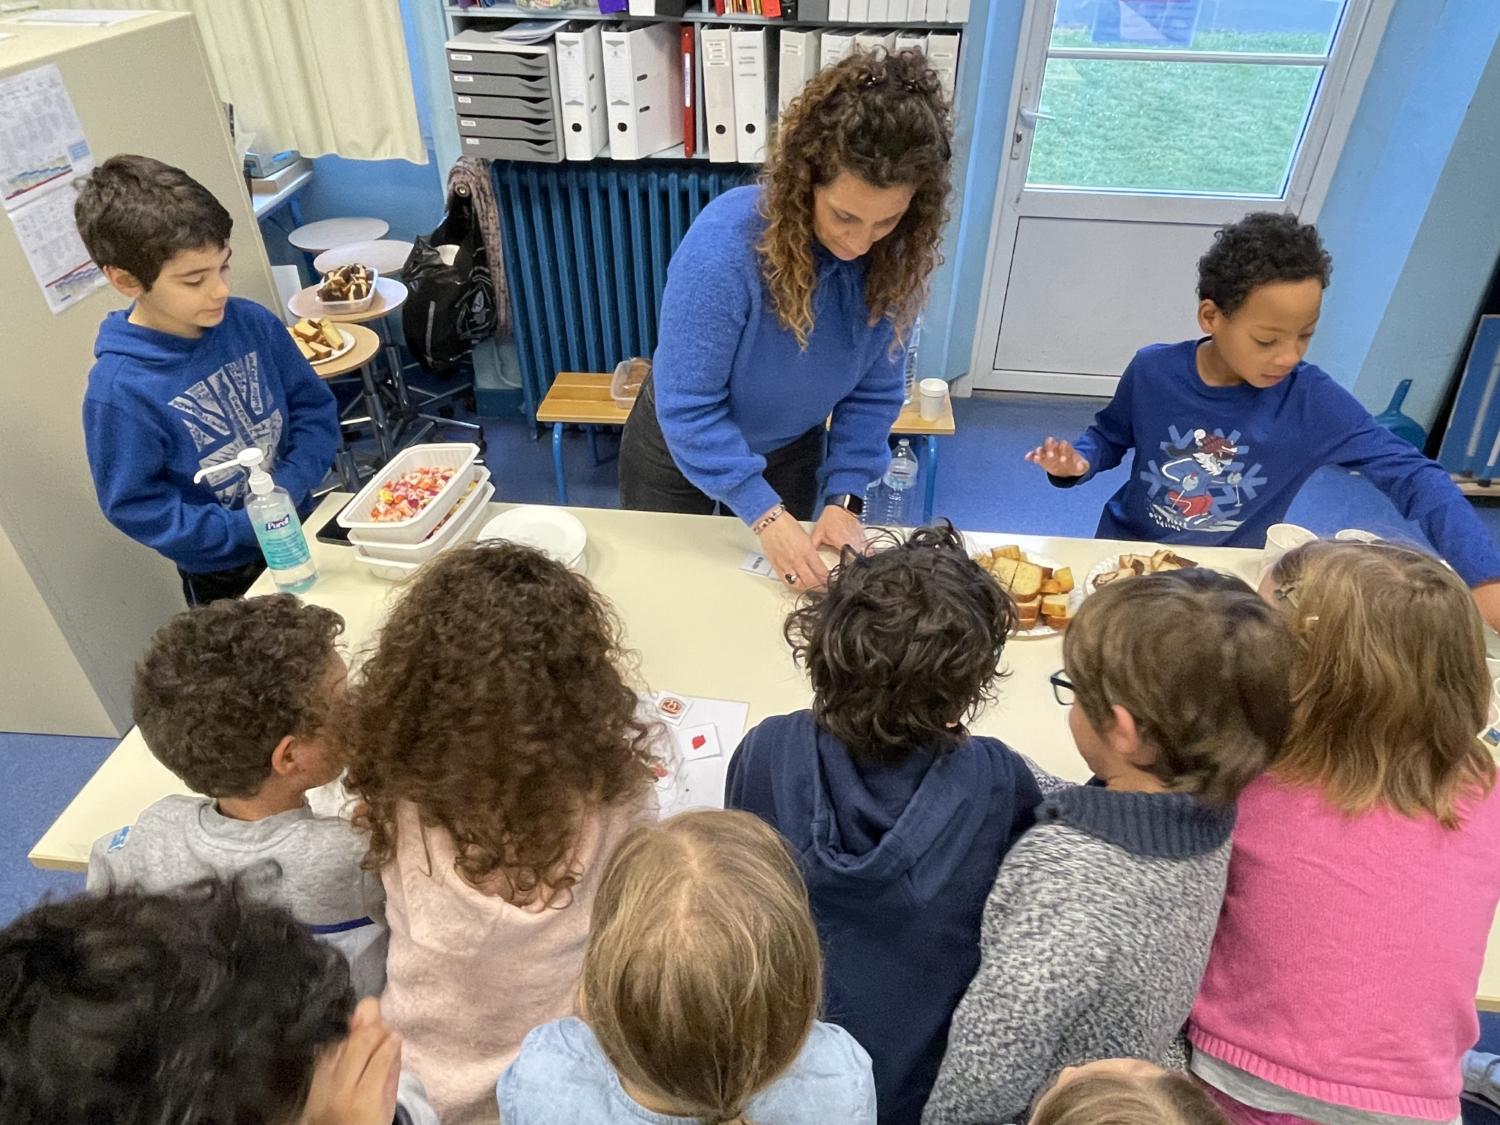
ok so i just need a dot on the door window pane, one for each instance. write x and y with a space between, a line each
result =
1177 127
1300 27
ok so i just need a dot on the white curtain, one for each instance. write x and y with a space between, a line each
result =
320 76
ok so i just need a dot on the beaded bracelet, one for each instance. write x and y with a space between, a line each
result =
768 519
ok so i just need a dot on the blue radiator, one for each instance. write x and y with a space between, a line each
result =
586 248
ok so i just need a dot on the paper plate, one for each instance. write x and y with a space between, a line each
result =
554 532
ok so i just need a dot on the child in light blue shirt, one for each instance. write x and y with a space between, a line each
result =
700 989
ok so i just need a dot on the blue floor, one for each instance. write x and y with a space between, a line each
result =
983 484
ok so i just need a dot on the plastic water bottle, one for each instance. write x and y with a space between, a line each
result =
911 359
894 503
278 529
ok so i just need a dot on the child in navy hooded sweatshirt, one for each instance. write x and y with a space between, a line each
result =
899 817
188 377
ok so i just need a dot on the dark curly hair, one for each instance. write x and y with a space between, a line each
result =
223 683
905 643
199 1005
135 213
1263 247
884 119
1202 664
496 703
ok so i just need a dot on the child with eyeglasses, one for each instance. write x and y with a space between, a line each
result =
1099 924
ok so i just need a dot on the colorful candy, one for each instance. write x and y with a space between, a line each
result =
408 494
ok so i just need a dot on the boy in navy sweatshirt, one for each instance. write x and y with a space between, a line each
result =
897 815
1227 428
187 377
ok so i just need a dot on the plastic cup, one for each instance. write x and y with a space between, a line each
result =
930 394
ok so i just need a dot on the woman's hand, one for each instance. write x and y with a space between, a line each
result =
1059 458
355 1082
792 553
1487 598
838 528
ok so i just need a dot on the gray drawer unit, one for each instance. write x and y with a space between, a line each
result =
505 97
507 128
493 149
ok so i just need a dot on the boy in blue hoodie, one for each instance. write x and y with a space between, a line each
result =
187 377
1227 427
898 816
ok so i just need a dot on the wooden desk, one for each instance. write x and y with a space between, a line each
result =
582 398
663 572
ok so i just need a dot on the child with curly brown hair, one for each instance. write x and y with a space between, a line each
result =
700 994
898 815
493 738
785 306
237 698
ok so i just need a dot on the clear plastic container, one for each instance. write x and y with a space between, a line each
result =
459 456
456 530
343 308
630 376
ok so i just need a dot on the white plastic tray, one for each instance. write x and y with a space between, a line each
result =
458 456
456 530
343 308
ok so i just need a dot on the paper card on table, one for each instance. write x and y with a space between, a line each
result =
756 563
695 743
42 146
671 708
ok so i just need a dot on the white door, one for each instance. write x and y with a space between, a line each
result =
1137 128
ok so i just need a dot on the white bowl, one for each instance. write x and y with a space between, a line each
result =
556 533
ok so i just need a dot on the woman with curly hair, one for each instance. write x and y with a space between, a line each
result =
492 738
787 303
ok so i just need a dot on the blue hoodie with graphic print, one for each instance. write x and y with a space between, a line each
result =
160 407
1219 465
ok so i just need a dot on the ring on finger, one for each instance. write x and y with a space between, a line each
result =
791 579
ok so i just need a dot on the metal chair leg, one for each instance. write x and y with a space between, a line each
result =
557 463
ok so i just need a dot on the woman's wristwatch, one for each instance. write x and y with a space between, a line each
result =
850 502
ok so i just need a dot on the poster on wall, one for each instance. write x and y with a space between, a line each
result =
43 151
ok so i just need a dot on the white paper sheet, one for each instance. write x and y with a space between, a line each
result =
75 17
695 778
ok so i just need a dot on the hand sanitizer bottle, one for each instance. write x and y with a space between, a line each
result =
273 516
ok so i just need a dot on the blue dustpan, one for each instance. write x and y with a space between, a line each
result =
1402 425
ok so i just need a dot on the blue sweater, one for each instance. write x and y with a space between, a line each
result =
160 407
1219 465
898 860
731 383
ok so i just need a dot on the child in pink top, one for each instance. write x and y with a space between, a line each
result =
1363 880
493 739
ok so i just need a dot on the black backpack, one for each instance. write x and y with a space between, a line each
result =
449 308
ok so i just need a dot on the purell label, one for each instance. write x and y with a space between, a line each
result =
278 524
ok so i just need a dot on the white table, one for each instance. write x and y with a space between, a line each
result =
325 234
265 204
388 255
701 626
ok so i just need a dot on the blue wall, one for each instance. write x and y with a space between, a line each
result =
1411 217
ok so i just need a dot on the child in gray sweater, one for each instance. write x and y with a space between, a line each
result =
234 698
1098 928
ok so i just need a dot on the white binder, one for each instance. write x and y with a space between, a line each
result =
958 11
911 41
942 56
643 89
875 42
580 82
799 62
718 94
835 45
751 94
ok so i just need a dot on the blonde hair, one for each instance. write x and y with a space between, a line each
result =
1389 684
703 973
1200 662
1167 1098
